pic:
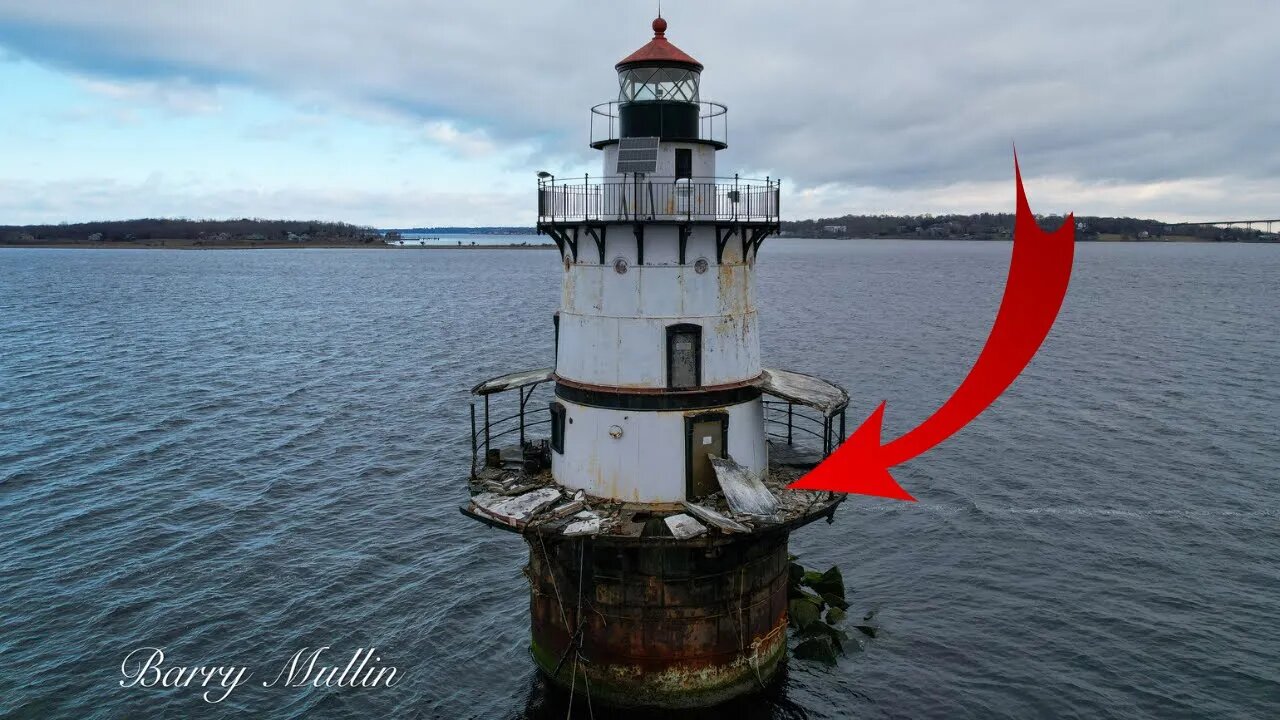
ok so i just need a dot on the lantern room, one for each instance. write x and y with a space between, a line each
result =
658 90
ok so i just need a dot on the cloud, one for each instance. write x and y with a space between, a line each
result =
474 143
852 99
181 97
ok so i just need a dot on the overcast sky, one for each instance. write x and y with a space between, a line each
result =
416 112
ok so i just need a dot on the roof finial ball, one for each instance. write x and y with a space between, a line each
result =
659 27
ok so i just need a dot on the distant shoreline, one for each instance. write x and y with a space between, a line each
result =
256 245
180 244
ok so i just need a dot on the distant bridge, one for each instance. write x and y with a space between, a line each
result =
1248 224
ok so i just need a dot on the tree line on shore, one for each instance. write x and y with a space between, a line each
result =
208 231
999 226
980 226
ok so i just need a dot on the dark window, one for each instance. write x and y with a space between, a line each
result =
557 427
684 356
684 163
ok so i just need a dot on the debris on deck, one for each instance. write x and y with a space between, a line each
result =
743 491
576 503
533 502
708 515
515 484
584 523
682 526
518 510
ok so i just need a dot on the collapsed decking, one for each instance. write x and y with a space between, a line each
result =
534 505
654 498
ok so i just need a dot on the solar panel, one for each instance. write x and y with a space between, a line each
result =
637 155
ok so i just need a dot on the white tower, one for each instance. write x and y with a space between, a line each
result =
658 354
656 496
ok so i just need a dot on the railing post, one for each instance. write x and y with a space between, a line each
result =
789 423
586 200
842 426
522 417
486 425
473 441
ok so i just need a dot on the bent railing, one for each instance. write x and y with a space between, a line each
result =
487 429
796 423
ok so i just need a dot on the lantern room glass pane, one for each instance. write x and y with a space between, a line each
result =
650 84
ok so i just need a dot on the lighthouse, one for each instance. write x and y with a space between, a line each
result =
647 467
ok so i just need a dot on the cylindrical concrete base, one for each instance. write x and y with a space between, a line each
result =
667 623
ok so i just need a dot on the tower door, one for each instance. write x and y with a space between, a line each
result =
707 435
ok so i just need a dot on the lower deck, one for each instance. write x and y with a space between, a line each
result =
532 504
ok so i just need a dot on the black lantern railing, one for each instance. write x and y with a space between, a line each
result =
713 123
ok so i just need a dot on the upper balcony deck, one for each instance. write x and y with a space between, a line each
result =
674 121
658 199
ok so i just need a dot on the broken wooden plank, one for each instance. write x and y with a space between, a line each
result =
743 491
821 395
515 511
584 523
684 527
708 515
567 509
486 498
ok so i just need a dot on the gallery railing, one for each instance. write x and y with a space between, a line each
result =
796 424
733 199
713 122
488 430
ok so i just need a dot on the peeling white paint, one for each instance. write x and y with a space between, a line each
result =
646 464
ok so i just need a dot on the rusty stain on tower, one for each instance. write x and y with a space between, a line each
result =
647 469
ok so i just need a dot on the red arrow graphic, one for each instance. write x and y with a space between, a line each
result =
1039 272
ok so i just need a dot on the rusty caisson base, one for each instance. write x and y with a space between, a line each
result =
673 624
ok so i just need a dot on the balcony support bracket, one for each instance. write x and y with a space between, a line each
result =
752 245
723 233
598 233
564 239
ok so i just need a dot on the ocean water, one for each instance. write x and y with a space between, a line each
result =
234 455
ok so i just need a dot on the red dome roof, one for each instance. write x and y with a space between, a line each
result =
659 51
